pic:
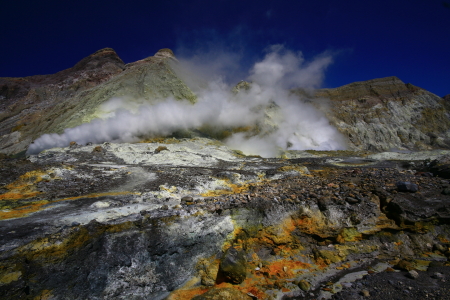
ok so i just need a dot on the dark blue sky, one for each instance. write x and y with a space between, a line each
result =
369 39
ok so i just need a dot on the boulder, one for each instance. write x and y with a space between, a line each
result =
233 266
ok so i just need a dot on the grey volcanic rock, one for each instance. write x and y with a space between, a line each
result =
405 186
121 224
383 114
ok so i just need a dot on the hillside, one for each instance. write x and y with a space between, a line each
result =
375 115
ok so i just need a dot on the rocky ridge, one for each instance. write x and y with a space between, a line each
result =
32 106
376 115
386 114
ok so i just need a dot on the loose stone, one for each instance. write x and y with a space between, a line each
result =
187 199
406 186
413 274
351 200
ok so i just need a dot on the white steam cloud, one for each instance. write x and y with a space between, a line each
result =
282 119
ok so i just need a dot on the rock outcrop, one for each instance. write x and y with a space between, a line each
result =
384 114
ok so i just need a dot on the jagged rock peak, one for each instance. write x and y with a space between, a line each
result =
165 52
98 58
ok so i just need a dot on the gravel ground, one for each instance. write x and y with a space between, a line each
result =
432 284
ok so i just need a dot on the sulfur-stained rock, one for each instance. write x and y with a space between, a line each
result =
304 285
349 235
161 148
405 265
233 266
98 149
223 294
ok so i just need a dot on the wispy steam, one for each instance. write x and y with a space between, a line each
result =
282 119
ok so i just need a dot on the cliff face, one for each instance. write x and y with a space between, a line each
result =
383 114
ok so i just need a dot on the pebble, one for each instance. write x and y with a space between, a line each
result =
438 275
351 200
413 274
365 293
187 199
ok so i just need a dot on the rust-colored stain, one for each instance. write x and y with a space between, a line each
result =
22 211
54 248
284 268
96 195
250 287
25 210
187 294
322 263
232 189
24 186
443 239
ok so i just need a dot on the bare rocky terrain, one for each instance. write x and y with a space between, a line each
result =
191 218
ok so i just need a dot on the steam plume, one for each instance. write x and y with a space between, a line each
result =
283 120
